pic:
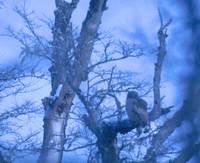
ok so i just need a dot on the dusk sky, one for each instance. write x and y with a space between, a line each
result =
135 21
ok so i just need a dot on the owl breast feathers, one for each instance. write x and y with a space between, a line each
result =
136 108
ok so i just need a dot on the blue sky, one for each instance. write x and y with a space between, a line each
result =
136 21
123 18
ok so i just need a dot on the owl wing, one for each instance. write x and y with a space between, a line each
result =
143 115
131 107
142 103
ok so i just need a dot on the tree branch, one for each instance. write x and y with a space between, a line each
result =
166 130
87 37
162 35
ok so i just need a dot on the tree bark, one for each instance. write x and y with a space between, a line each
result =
165 131
57 106
108 150
107 143
66 73
54 138
106 133
162 35
55 119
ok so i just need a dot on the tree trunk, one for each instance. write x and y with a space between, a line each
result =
107 143
108 150
54 137
58 105
106 134
55 119
66 73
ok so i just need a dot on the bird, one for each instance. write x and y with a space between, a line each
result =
136 109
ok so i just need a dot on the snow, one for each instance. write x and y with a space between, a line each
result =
52 98
58 90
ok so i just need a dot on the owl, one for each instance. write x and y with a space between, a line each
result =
136 109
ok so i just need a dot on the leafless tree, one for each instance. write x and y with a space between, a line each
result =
75 62
69 65
11 84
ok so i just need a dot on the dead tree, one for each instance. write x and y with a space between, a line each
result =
162 35
69 64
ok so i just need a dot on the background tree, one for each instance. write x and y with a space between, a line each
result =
12 141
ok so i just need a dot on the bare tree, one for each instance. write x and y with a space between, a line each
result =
101 109
69 65
11 84
162 35
69 59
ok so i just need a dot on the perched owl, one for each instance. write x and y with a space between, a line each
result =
136 109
